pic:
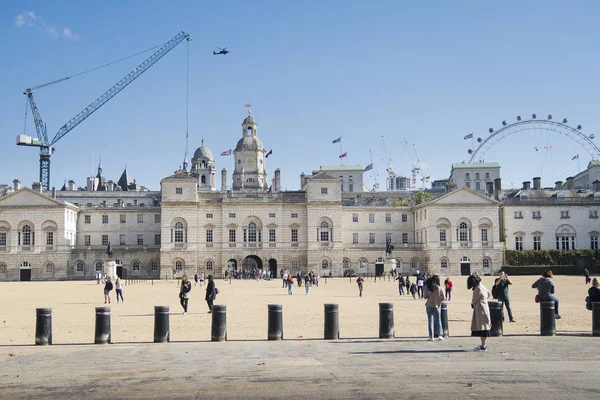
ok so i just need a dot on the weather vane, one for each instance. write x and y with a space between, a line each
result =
248 105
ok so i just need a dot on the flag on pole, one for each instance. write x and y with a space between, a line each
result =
343 155
575 157
337 140
269 153
537 148
469 136
549 148
226 153
368 167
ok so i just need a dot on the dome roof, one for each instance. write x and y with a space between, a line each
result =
249 143
249 120
203 152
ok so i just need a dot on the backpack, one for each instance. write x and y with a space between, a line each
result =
495 291
109 286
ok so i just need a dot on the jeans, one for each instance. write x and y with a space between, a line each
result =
120 294
401 289
555 300
184 303
506 303
434 317
290 288
306 287
420 291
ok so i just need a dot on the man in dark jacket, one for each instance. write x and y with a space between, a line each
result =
501 291
211 293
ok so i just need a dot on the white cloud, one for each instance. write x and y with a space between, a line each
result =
30 19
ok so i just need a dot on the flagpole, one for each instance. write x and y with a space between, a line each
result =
341 152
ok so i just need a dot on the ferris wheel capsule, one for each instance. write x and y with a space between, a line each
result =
491 130
579 127
533 116
470 151
549 116
479 140
592 136
503 123
518 117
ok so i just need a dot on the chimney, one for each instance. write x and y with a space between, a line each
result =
277 185
526 185
71 185
558 185
53 192
537 183
223 180
497 188
110 186
16 184
570 183
596 184
36 187
489 187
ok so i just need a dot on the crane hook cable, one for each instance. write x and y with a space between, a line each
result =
96 68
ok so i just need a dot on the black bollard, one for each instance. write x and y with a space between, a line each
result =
386 320
218 331
275 322
496 317
43 326
595 319
444 318
162 333
547 321
332 322
102 325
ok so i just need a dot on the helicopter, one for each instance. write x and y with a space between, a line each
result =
221 51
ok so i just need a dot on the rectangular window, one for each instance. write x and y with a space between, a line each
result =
518 243
476 176
537 214
3 239
477 185
537 242
272 237
294 215
442 235
355 238
123 218
371 218
487 175
484 235
323 190
122 240
271 215
518 214
593 214
564 214
140 239
565 243
49 238
388 237
87 240
467 176
371 238
157 239
104 240
354 217
209 236
157 218
594 243
468 185
294 235
140 218
404 217
388 218
351 187
88 219
232 236
178 190
209 216
231 215
105 219
405 237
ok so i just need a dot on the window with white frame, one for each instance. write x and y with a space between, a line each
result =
354 217
140 218
104 240
135 266
178 265
98 266
371 238
324 232
294 264
272 237
442 234
122 240
209 264
486 263
157 239
294 235
123 218
294 215
323 190
140 239
593 213
484 234
252 232
209 216
209 236
2 269
388 218
49 268
388 237
362 263
346 263
157 218
404 237
231 215
50 238
519 243
179 190
414 263
324 264
537 242
80 266
564 214
443 263
179 233
105 219
232 236
594 242
518 214
355 238
404 217
3 239
154 265
371 218
463 232
565 242
26 236
271 215
87 219
536 214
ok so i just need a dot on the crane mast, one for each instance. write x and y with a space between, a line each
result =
46 146
390 169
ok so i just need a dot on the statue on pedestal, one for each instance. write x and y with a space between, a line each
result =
109 251
389 247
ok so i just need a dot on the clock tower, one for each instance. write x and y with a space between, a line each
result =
249 157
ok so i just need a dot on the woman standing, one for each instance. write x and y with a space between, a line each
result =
434 295
184 293
210 293
481 322
306 283
545 287
119 290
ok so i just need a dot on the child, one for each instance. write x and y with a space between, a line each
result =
413 290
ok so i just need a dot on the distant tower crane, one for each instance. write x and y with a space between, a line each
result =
374 174
46 146
424 175
391 180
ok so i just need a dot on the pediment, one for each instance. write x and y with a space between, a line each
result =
463 196
27 198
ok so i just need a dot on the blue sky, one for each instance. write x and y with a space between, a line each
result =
427 72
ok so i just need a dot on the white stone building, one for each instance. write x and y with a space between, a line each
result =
475 176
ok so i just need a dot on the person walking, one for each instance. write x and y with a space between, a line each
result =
290 284
98 277
413 290
501 288
586 273
407 285
119 290
448 286
299 279
434 295
201 279
211 293
545 287
481 322
108 286
184 293
306 283
420 283
284 279
400 280
360 281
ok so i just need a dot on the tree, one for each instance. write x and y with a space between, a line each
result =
422 197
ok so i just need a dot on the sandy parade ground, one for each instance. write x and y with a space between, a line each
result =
73 310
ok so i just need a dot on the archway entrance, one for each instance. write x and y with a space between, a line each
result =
465 266
273 267
25 272
379 266
232 264
252 262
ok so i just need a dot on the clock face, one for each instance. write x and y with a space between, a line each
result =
250 162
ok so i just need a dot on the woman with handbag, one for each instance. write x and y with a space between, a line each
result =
545 287
481 322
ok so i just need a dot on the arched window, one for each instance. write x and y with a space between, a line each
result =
209 264
80 266
203 179
414 263
325 232
154 265
486 263
49 268
294 264
252 232
463 232
98 266
179 233
178 266
26 236
2 269
362 263
324 264
443 263
346 263
399 265
135 266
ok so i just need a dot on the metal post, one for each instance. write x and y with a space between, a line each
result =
496 317
102 334
595 319
162 332
218 331
43 326
547 321
444 315
275 331
386 320
332 322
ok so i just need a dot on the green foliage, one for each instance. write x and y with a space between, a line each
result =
580 257
400 203
422 197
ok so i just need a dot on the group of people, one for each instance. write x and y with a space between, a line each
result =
254 273
309 279
186 288
417 289
108 287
